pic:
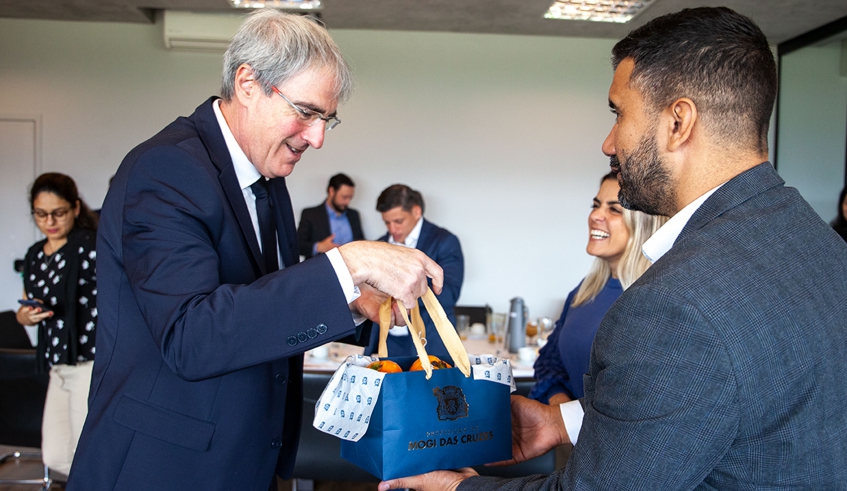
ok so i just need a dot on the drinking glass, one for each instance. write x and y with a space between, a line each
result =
531 332
545 327
497 328
463 324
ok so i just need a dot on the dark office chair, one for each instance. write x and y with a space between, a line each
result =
476 314
22 404
12 334
319 454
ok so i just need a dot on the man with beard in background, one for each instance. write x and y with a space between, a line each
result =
721 367
331 223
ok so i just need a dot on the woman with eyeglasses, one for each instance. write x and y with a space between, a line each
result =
615 237
59 273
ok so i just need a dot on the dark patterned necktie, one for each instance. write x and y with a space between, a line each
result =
267 224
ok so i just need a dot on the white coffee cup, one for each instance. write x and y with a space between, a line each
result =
321 352
527 354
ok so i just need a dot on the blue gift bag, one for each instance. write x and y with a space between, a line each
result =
446 422
407 423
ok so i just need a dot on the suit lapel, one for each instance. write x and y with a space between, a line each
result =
323 220
355 224
426 236
210 132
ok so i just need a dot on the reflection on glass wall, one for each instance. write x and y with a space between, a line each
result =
812 128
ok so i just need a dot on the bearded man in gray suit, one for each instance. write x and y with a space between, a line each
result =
722 366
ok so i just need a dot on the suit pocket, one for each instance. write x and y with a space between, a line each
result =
163 424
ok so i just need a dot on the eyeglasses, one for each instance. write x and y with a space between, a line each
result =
57 214
309 117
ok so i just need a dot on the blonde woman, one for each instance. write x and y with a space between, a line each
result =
615 237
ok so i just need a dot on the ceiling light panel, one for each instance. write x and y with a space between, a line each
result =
619 11
278 4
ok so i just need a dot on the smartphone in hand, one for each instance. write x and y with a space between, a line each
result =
35 304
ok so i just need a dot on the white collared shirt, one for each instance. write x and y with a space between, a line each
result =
653 249
411 241
247 174
661 242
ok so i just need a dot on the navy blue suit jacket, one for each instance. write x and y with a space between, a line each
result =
198 373
722 367
442 247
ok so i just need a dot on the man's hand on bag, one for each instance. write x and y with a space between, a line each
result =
536 429
400 272
369 302
432 481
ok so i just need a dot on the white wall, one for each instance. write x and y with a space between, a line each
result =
501 134
813 125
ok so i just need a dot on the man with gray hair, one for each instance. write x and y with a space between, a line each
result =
205 311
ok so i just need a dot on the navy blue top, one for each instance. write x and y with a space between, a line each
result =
564 359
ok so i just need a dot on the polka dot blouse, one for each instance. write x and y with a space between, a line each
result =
47 278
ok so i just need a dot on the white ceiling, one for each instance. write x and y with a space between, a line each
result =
779 19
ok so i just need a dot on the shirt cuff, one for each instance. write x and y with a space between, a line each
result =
351 291
572 414
399 331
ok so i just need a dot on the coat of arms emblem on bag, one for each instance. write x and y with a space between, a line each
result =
451 403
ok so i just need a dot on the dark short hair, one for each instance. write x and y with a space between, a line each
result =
840 219
64 187
716 57
338 180
399 195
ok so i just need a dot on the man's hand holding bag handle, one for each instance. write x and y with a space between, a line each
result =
418 332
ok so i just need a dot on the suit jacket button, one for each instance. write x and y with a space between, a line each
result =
279 378
302 337
276 443
312 332
321 328
292 341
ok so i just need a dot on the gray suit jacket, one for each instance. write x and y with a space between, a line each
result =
722 366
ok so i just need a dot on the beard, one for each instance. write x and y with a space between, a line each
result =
339 207
644 179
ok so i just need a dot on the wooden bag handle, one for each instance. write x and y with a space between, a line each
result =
418 332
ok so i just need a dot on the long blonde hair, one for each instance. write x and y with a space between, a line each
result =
632 264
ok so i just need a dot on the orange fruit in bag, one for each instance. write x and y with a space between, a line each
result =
385 366
437 364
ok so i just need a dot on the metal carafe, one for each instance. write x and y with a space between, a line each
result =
516 335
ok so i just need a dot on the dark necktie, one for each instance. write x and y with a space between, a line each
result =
267 224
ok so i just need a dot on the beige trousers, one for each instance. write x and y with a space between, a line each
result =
64 414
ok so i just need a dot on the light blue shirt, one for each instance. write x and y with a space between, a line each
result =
339 226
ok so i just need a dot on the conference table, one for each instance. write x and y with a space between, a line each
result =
338 352
318 457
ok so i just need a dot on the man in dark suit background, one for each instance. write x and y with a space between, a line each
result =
402 211
331 223
722 366
197 378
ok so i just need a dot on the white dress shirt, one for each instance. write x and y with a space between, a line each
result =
653 249
247 174
411 241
